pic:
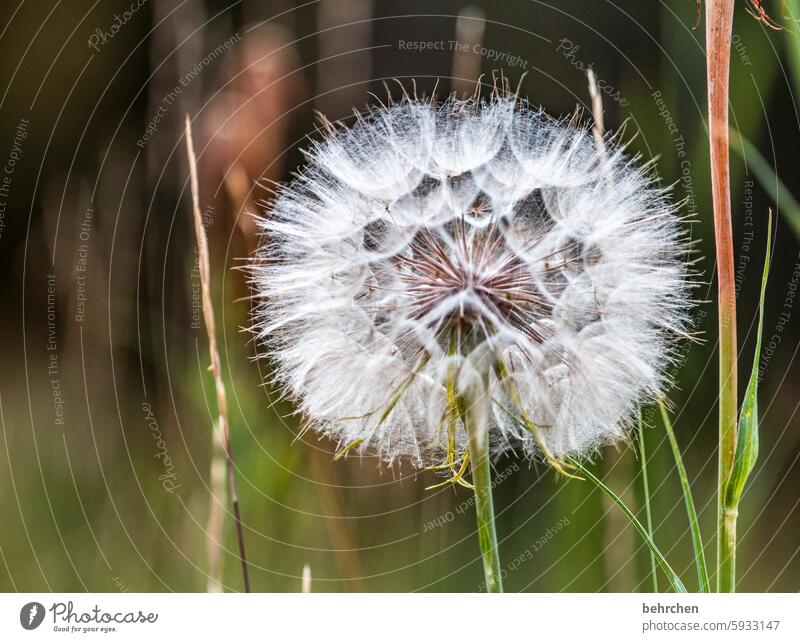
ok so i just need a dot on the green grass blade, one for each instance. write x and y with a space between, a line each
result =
792 40
697 540
769 179
673 577
747 441
646 492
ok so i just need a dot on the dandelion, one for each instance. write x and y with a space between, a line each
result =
455 281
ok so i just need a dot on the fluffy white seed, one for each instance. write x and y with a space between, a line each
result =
424 233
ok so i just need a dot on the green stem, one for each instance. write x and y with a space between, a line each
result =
726 579
676 582
793 12
691 512
476 416
646 491
719 25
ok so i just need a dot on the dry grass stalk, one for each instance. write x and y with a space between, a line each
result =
216 523
343 541
222 429
237 185
466 70
598 129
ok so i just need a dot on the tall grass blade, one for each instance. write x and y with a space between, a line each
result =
646 492
792 9
672 575
769 180
697 540
747 441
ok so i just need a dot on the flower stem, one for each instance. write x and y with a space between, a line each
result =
476 418
719 25
484 511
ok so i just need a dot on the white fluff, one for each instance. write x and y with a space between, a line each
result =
567 261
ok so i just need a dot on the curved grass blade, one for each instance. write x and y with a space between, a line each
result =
697 540
769 179
673 577
746 452
646 492
792 41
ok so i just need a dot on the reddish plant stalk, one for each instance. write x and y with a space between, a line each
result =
719 25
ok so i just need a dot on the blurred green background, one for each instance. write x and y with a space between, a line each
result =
106 405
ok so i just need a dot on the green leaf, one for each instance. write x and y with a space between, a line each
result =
746 452
673 577
697 540
768 178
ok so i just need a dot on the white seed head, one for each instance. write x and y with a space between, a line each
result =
425 235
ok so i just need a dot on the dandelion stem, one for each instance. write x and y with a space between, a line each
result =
484 511
476 418
719 25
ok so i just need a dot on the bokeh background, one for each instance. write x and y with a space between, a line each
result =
106 404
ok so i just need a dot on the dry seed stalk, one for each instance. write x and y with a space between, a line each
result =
216 368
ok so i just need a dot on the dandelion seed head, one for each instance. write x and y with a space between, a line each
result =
425 235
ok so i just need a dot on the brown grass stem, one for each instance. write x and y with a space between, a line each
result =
466 65
222 430
343 541
719 26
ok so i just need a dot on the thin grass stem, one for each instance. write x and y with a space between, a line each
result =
677 584
223 431
769 179
646 491
697 540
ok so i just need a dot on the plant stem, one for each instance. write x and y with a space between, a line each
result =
691 512
484 512
676 582
476 417
719 25
224 436
646 492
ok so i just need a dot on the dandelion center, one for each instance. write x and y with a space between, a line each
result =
459 276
